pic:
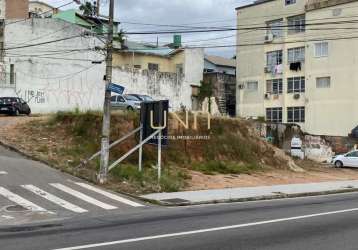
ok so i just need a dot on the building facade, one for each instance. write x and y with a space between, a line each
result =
301 68
169 73
41 9
16 9
68 72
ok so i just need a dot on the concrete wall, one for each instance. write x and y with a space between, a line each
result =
156 84
331 111
53 77
60 75
165 85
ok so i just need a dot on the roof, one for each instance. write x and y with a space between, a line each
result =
97 24
72 16
145 48
221 61
254 4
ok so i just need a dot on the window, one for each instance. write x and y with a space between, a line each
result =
296 84
352 154
274 86
252 85
296 55
323 82
137 66
153 66
120 99
274 115
288 2
296 24
275 28
179 69
273 58
321 49
296 114
113 98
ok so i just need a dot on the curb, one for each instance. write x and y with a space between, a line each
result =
256 198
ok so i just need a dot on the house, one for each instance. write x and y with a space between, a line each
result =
165 72
41 9
220 64
302 68
220 72
14 9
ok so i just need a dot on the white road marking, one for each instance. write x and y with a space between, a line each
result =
21 201
54 199
214 229
109 195
82 196
3 173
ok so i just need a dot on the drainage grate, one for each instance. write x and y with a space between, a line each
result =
16 208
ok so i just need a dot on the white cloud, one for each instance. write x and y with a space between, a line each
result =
213 13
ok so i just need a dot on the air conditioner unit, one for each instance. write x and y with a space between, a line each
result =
296 96
268 38
267 96
267 70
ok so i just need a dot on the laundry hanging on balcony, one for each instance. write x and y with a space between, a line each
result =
296 66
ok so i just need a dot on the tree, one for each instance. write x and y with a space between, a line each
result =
88 9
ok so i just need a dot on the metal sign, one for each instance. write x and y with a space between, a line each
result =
154 116
116 88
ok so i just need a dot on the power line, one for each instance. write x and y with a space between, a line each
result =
246 28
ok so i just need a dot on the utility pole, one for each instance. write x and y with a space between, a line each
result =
102 177
97 8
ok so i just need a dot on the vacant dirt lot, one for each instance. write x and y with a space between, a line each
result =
11 134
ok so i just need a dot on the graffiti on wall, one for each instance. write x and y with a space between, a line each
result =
32 96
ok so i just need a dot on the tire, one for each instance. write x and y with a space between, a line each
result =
338 164
29 112
129 108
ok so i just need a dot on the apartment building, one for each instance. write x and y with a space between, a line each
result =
299 64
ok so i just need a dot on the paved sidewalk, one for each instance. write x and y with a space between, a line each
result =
253 193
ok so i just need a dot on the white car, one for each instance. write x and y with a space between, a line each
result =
346 160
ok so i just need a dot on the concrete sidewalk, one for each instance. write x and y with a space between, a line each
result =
253 193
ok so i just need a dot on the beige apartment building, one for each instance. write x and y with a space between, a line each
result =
299 64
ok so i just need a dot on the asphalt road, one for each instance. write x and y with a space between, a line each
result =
325 222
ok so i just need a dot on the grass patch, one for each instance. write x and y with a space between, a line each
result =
172 179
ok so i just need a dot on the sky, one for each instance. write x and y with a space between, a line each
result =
195 13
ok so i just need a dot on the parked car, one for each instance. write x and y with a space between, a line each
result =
144 98
346 160
14 106
126 102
